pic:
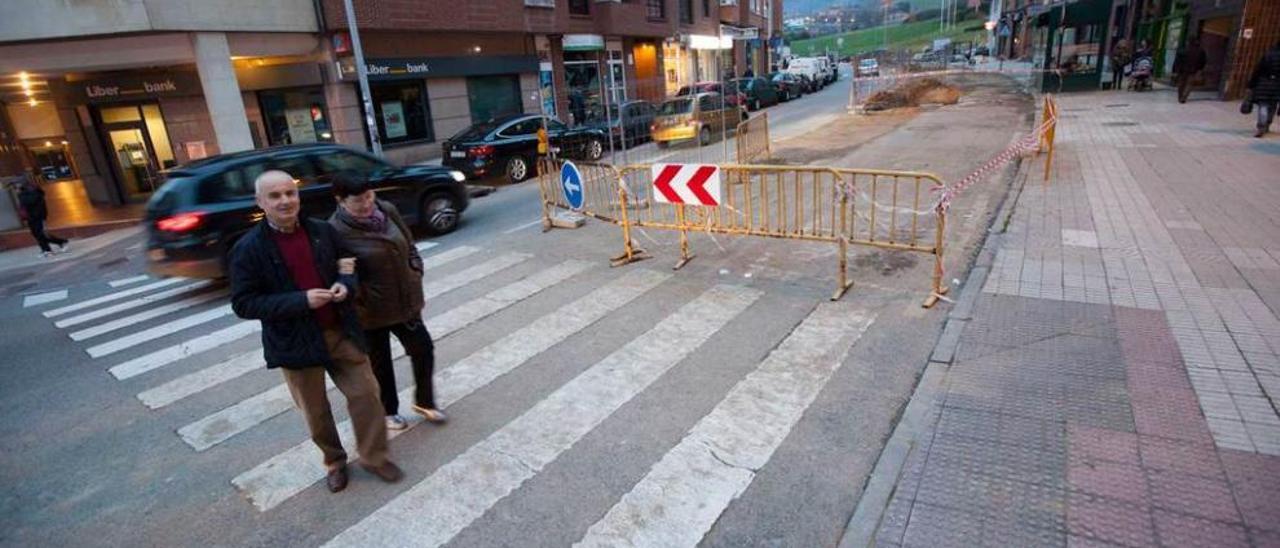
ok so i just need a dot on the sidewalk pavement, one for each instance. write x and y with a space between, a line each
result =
1117 376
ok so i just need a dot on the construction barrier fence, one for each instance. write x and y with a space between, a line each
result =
877 208
752 139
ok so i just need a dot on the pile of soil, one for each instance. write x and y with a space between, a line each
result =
915 92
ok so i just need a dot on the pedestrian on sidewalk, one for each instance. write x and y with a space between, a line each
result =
31 199
285 272
1187 65
1264 88
1121 55
390 298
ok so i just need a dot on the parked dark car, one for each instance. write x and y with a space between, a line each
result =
508 145
634 117
732 99
789 85
759 91
204 206
809 84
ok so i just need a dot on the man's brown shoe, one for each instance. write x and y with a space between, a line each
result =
388 472
337 479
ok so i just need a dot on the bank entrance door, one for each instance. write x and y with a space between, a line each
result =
138 144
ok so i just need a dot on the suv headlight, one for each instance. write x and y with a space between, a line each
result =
458 176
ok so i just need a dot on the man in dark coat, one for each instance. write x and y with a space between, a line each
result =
31 198
1265 88
285 272
1187 64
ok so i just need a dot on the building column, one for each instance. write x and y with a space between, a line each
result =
221 91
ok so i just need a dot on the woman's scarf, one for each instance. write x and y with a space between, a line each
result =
374 223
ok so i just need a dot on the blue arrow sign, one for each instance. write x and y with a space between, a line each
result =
571 182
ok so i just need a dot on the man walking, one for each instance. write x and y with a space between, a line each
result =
31 198
1187 65
285 272
1264 88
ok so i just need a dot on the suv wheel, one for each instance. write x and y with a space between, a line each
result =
517 168
439 213
595 150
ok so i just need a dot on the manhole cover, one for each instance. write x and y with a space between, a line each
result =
1124 124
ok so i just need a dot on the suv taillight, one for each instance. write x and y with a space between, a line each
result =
182 222
482 150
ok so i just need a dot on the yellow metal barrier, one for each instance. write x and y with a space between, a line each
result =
877 208
1050 123
752 139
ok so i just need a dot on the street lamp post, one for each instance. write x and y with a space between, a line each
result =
362 73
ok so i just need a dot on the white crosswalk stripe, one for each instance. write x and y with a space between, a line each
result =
436 260
128 281
185 349
110 297
135 339
465 488
434 287
242 416
287 474
134 319
44 298
130 304
684 494
201 380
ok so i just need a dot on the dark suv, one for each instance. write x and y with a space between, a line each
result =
206 205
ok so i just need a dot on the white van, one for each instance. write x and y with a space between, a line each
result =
810 67
827 68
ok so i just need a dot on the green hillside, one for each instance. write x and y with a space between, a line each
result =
904 36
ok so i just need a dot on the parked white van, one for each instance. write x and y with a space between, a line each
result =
810 67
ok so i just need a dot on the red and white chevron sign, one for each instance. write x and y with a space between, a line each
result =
694 184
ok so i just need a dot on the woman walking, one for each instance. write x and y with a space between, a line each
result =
1264 89
389 300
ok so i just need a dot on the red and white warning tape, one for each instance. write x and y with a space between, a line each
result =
1026 144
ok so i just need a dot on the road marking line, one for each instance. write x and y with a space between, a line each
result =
158 331
498 299
43 298
245 414
201 380
440 286
683 495
522 227
113 297
127 305
465 488
129 281
271 483
145 315
445 257
166 356
423 246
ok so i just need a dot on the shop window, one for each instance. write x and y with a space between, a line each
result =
159 136
656 9
580 7
401 111
1080 49
493 96
295 116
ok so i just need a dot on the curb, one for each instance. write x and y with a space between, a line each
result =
881 485
18 239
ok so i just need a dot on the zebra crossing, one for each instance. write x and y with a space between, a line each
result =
146 326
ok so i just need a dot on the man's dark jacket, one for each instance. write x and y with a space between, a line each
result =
262 289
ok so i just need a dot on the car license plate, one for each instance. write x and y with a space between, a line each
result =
458 154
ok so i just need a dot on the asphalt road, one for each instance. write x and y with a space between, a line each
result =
725 404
